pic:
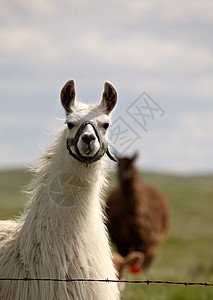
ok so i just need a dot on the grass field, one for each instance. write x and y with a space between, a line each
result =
186 255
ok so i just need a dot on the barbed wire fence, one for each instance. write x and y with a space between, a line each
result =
147 281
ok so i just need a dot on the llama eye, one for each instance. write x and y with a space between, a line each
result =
70 125
105 125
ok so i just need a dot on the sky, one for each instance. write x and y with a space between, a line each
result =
158 54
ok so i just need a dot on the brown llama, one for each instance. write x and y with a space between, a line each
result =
137 213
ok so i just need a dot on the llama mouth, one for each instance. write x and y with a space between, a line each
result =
87 150
87 153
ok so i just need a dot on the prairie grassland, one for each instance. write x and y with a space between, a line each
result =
187 253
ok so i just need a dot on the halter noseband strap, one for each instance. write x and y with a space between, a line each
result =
78 156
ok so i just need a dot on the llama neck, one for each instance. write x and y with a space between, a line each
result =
66 202
131 189
129 185
68 186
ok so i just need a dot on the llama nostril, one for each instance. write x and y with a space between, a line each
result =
88 138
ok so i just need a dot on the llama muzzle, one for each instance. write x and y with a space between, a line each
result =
88 159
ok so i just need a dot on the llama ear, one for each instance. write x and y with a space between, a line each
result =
109 97
134 157
134 259
68 95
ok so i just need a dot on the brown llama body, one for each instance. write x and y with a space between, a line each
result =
137 214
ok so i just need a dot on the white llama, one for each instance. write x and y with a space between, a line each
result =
62 233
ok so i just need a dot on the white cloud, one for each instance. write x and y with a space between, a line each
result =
186 10
13 10
197 125
27 44
14 156
39 6
147 53
172 10
204 87
12 120
183 145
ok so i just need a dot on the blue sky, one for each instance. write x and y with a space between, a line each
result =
163 48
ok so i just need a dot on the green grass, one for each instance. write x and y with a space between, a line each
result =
12 196
187 253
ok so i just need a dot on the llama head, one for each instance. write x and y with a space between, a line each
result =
126 168
133 261
87 125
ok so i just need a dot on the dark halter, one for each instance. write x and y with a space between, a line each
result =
102 150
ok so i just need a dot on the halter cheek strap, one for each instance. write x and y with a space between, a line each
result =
78 156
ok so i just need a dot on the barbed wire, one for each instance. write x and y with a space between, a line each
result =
147 281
